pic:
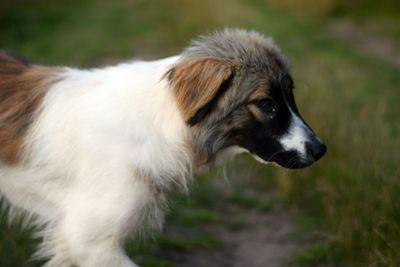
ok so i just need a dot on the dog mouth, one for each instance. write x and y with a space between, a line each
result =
292 159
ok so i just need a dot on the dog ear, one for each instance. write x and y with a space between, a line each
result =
196 83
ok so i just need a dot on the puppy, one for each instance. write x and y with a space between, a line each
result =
90 155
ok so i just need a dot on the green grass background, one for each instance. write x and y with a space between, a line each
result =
348 203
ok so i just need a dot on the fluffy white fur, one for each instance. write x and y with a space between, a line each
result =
97 152
105 147
107 144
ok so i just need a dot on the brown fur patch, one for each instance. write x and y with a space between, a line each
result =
256 112
22 89
258 94
196 82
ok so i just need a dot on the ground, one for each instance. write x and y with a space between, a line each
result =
266 241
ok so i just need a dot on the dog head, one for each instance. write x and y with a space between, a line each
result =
234 89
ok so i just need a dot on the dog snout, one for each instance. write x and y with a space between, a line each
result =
315 149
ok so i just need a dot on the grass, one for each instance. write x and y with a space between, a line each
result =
349 98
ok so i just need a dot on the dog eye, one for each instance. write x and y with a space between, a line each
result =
267 105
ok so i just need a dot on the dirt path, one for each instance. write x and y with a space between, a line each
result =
265 242
367 41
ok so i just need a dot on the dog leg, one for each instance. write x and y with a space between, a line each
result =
104 253
97 220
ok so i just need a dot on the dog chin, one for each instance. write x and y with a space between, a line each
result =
294 164
288 160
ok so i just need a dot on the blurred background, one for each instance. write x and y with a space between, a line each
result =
343 211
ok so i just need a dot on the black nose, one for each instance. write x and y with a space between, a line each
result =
316 149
